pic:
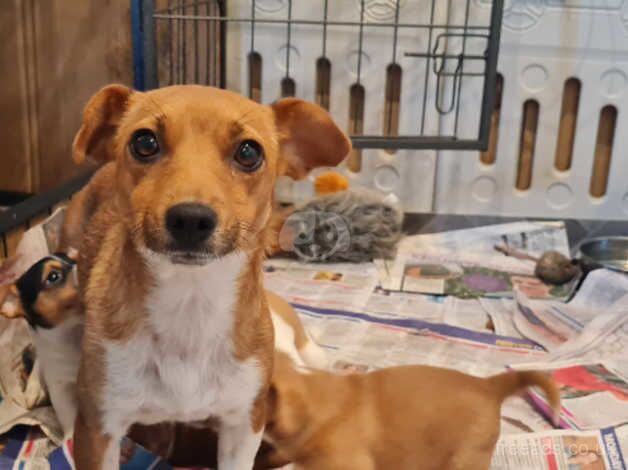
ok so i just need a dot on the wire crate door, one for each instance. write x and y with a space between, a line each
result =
388 71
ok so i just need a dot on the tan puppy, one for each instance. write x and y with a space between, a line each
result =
177 325
290 336
401 418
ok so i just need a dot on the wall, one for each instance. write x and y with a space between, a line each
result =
54 55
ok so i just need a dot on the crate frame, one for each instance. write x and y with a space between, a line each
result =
145 16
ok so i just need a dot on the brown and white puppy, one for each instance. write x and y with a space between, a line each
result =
290 336
401 418
177 324
46 296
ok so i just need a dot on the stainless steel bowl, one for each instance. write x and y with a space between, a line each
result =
611 252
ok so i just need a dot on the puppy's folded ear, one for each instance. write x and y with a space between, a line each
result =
101 117
10 305
308 137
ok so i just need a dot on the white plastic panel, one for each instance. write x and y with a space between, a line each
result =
410 175
544 43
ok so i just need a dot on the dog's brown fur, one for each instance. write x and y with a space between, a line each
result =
199 129
400 418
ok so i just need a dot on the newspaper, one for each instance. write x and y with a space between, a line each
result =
604 339
27 448
553 323
593 396
518 416
464 263
341 285
363 324
501 313
399 304
354 288
467 313
365 341
592 368
570 450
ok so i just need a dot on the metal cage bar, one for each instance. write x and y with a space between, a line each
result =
188 15
21 214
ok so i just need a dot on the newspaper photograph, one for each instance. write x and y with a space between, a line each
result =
593 396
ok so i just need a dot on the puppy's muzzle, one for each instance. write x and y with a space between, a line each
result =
190 225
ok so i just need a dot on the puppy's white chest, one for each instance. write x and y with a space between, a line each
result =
181 366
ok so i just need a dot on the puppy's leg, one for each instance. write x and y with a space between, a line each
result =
93 449
340 459
237 444
63 398
269 457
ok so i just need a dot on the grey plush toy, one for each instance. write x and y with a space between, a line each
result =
354 226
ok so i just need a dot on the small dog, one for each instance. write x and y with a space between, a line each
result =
177 323
46 295
400 418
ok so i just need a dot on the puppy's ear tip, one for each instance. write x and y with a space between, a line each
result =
101 114
9 306
73 253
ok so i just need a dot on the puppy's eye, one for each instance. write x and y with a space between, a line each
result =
249 156
144 145
54 278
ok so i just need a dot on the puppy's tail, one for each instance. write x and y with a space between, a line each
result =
509 383
313 355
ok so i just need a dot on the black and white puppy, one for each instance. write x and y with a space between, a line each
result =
47 297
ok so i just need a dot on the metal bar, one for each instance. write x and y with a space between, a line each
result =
194 2
434 55
414 142
209 29
252 48
288 38
20 213
317 22
184 42
488 94
426 79
138 44
325 12
222 10
395 33
179 44
360 41
461 64
196 56
151 77
170 47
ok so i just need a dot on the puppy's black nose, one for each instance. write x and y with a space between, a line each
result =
190 224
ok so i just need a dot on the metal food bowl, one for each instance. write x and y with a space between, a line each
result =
611 252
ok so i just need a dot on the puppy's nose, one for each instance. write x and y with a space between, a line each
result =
190 224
